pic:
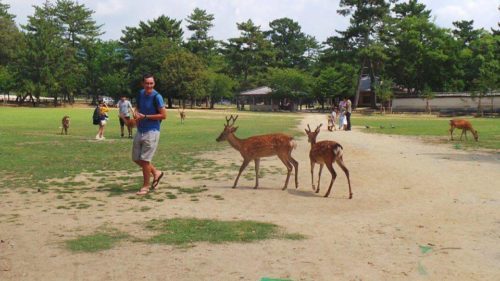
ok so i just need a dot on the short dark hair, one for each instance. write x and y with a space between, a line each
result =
146 76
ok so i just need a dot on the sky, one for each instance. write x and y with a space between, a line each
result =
317 18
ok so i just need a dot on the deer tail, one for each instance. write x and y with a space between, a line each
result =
338 150
293 144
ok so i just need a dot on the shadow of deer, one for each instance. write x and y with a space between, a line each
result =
256 147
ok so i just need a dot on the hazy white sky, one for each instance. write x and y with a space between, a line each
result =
316 17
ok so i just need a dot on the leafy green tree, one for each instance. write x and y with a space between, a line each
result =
184 75
11 40
161 27
383 88
44 58
289 82
111 74
146 48
334 83
427 94
200 43
77 22
338 50
149 57
248 55
10 36
464 31
486 54
290 43
421 54
367 19
219 86
412 8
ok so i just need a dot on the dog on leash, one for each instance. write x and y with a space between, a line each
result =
65 125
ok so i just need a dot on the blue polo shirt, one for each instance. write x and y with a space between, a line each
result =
146 106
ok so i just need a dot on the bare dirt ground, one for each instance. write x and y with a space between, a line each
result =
420 212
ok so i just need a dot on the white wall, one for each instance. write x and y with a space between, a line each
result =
459 103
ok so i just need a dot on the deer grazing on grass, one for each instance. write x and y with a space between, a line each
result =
182 114
65 125
256 147
465 126
325 153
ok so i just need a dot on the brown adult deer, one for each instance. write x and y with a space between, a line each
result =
256 147
325 153
465 126
65 124
182 114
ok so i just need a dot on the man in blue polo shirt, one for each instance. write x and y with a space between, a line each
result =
149 112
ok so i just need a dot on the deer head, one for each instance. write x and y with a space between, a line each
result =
475 134
228 128
311 135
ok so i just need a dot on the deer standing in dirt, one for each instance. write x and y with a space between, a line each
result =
65 125
465 126
325 153
256 147
182 114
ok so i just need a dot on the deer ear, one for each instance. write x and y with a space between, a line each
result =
234 129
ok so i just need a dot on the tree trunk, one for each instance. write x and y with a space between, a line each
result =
169 101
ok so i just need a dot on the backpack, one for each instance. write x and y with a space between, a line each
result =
96 116
155 102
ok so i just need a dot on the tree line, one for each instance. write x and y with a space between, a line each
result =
58 53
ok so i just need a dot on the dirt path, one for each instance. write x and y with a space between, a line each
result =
419 212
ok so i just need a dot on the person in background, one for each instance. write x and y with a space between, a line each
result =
149 112
342 119
124 107
348 112
332 119
103 119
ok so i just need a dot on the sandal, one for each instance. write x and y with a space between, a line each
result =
155 182
143 191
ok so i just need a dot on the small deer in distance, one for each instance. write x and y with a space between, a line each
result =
182 114
325 153
65 125
465 126
256 147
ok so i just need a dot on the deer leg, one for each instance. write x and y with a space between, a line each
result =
340 162
288 167
312 175
243 166
334 175
257 162
451 133
462 134
319 176
296 166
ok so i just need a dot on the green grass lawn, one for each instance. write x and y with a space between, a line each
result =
32 149
424 125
